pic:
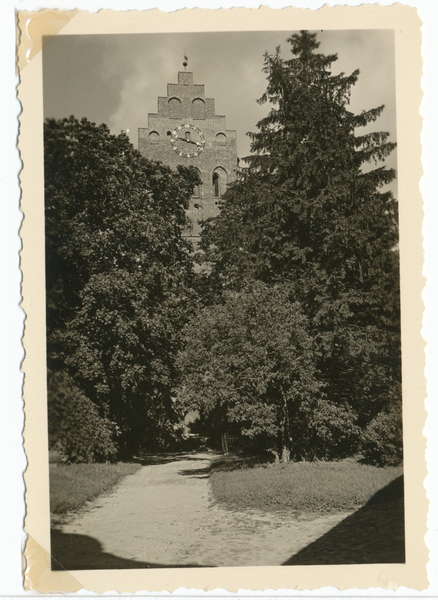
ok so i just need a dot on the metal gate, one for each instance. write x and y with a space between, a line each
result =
230 442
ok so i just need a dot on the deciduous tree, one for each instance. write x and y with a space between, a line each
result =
249 365
118 273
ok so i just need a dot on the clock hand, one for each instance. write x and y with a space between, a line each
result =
189 141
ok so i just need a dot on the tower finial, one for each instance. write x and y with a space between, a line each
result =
185 63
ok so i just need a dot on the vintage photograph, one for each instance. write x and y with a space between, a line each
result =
223 299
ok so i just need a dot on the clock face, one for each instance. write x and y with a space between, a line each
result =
187 140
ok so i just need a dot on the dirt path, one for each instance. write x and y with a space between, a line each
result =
162 516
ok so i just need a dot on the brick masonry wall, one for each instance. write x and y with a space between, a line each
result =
185 104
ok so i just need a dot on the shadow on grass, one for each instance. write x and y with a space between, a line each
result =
227 462
233 462
373 534
72 552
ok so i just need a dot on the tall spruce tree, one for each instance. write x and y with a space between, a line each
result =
306 210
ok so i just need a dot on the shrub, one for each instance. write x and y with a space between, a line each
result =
382 442
332 432
75 427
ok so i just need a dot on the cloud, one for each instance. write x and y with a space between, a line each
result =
117 79
147 63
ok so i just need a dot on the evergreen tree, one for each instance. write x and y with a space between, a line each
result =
309 209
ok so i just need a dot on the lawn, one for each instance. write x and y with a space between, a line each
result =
304 487
71 486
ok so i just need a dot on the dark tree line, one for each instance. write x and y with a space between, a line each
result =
305 212
118 281
289 335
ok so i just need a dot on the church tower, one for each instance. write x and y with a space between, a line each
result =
186 131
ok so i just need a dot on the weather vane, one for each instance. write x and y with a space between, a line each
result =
185 63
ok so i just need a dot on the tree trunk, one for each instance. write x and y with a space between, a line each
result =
285 445
285 454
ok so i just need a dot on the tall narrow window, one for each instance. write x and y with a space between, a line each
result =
216 185
219 182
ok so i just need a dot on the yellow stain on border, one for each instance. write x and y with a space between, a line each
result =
38 575
35 29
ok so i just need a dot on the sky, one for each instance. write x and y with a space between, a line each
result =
116 79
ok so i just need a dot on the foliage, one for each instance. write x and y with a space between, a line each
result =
317 487
311 209
331 431
74 485
118 274
75 427
251 367
382 443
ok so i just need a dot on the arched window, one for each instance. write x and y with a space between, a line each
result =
198 108
219 182
154 135
174 107
169 133
221 137
216 186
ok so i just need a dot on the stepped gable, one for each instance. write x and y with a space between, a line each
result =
187 131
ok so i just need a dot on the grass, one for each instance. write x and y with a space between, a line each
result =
304 487
71 486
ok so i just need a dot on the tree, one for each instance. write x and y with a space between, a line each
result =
76 429
118 274
306 210
249 365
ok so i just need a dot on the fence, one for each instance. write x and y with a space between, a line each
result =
230 442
